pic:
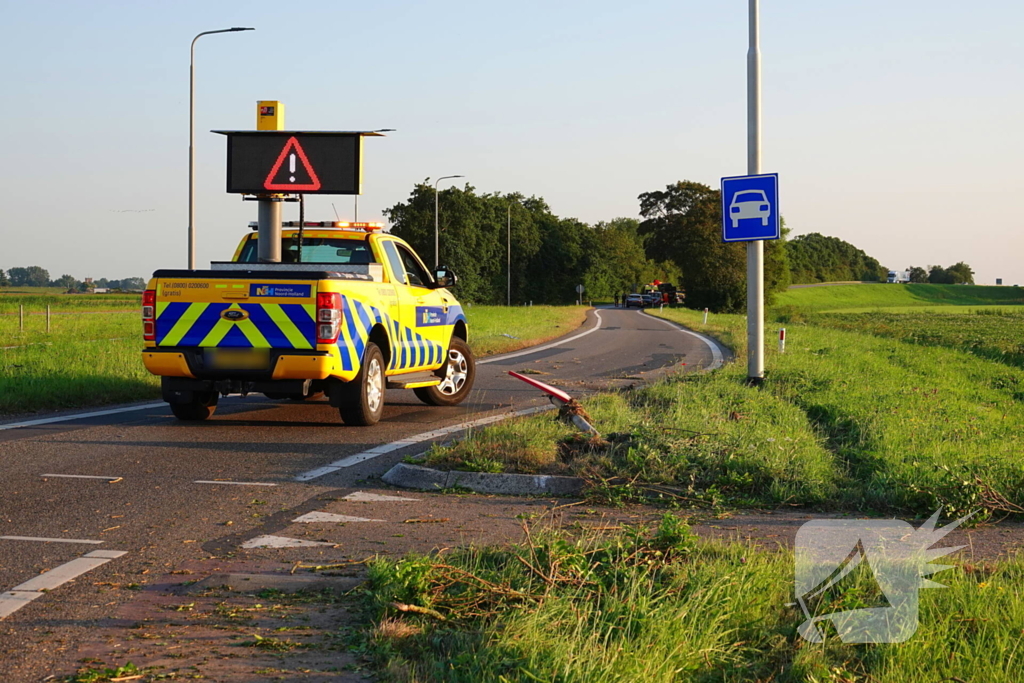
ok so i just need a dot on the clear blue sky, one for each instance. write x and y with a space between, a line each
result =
895 126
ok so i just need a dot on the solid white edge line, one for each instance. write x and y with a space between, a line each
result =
233 483
19 596
82 476
536 349
79 416
717 358
49 540
412 440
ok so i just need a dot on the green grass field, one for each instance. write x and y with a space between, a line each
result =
663 606
881 412
92 354
875 296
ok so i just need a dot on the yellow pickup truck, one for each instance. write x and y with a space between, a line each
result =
349 312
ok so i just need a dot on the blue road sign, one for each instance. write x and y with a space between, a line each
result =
750 208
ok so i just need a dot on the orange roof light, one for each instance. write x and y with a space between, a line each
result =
368 227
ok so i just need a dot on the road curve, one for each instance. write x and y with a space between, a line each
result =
164 492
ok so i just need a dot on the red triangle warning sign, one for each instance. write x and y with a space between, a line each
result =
292 172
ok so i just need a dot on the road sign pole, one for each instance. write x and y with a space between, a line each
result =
268 206
755 249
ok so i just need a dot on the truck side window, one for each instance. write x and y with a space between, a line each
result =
415 273
395 261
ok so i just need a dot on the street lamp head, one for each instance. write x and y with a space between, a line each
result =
240 28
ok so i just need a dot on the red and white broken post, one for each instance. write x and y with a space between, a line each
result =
567 405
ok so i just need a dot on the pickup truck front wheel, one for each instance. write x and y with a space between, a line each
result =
457 377
202 406
362 399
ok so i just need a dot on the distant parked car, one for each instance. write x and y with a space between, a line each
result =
749 204
634 300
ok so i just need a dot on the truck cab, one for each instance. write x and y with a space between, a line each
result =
350 311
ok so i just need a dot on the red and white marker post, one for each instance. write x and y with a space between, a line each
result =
782 340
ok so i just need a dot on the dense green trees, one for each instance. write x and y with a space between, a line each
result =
550 255
4 282
32 276
918 275
817 258
957 274
683 223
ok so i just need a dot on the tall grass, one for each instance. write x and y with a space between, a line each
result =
664 606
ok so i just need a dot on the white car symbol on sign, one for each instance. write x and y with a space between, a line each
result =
749 204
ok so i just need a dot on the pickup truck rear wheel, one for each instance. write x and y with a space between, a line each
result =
201 407
362 400
457 380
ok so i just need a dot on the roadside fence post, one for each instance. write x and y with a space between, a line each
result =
705 316
782 340
47 318
21 317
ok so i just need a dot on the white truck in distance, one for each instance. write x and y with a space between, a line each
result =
898 276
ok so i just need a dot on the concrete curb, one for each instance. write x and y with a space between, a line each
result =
418 477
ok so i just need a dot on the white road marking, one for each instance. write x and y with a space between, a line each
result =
281 542
364 497
410 441
111 480
233 483
11 601
312 517
716 353
535 349
49 540
19 596
79 416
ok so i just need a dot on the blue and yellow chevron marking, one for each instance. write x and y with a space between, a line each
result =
267 326
409 349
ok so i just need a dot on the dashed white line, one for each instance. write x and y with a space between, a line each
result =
79 416
410 441
281 542
535 349
111 480
49 540
19 596
233 483
313 517
364 497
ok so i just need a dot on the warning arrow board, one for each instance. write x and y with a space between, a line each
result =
292 171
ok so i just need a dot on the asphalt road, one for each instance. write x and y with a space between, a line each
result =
146 501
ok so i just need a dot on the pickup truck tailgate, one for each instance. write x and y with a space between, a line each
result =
199 311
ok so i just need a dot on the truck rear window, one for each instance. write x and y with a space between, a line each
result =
314 250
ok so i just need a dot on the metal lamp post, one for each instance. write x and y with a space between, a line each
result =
437 232
192 141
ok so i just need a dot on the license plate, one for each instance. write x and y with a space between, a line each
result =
237 359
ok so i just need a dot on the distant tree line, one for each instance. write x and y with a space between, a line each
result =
550 255
957 274
36 276
817 258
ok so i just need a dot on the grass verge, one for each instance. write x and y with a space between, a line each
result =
847 420
662 605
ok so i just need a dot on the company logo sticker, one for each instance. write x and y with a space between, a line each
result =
891 553
429 316
281 291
